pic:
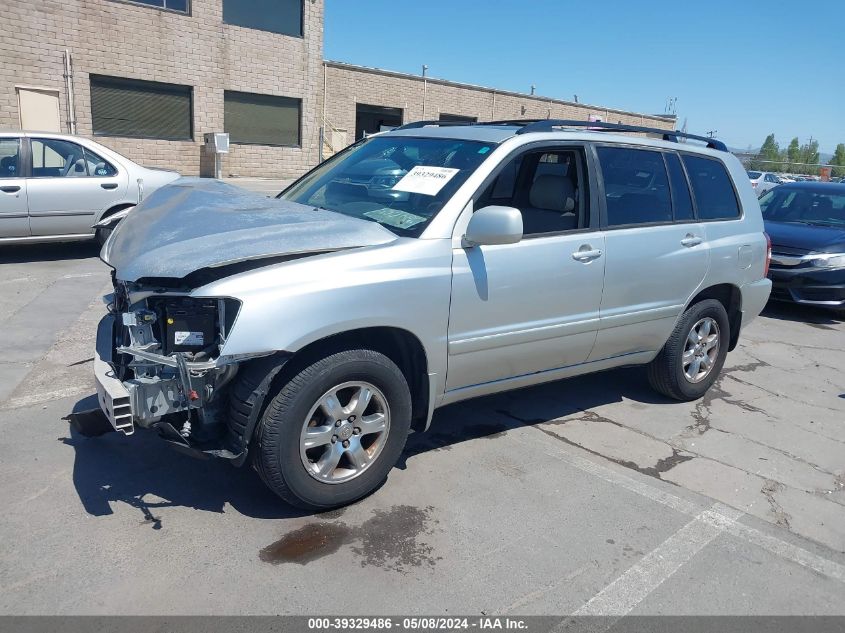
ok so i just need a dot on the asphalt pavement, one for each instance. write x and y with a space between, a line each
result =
588 496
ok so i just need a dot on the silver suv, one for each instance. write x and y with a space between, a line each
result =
312 332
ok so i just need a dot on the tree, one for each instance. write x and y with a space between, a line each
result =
809 155
769 156
793 155
838 161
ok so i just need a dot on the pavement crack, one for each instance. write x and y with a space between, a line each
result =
770 487
703 408
661 466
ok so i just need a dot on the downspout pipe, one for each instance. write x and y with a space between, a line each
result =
69 96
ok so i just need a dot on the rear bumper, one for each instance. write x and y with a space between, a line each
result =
112 396
817 287
754 298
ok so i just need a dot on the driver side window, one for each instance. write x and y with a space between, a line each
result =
548 186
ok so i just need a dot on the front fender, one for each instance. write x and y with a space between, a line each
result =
285 307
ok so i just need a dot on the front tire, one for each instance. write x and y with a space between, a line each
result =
692 358
333 431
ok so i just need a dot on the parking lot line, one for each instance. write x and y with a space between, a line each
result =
633 586
772 544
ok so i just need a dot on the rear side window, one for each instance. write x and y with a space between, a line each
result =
98 166
681 197
636 186
712 188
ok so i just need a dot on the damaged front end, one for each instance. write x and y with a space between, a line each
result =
158 365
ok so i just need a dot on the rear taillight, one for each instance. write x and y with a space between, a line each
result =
768 255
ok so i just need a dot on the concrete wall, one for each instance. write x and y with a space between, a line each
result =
115 38
347 85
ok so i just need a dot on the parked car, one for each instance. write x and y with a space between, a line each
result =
806 222
763 181
311 332
59 187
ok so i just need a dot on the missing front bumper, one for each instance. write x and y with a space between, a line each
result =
112 395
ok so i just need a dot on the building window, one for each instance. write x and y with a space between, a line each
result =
141 109
276 16
179 6
253 119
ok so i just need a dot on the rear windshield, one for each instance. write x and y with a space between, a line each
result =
401 182
801 206
754 175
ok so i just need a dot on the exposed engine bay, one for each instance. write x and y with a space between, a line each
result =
166 353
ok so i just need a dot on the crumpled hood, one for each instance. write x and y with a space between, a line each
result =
198 223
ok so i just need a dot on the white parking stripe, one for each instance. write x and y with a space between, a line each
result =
772 544
632 587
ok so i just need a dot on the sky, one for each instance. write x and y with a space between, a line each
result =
744 68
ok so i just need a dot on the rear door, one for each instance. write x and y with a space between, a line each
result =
656 252
14 221
69 186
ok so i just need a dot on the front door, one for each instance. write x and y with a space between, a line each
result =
656 250
14 221
529 307
69 186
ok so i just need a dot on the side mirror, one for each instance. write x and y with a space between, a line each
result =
494 225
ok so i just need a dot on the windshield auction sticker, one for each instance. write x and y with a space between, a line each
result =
426 180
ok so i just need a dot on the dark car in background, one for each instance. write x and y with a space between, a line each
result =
806 223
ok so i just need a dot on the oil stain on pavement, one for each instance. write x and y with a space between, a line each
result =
390 539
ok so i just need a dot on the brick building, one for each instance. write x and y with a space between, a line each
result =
149 77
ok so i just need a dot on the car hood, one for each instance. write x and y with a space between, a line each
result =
806 237
195 224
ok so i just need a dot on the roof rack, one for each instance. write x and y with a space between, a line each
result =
418 124
548 125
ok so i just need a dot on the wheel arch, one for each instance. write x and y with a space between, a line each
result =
730 296
400 345
114 209
258 377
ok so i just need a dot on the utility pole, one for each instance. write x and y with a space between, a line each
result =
711 133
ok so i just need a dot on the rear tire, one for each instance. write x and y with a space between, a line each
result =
317 443
688 364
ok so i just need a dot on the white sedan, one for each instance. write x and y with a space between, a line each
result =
762 181
56 187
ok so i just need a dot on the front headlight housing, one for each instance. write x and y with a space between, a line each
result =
828 260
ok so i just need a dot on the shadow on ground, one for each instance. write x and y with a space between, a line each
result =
143 472
510 410
798 313
48 252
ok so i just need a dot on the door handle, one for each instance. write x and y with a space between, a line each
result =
586 254
109 185
691 240
10 189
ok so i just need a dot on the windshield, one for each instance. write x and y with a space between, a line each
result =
804 207
400 182
754 175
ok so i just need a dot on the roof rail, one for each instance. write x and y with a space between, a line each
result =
418 124
547 125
